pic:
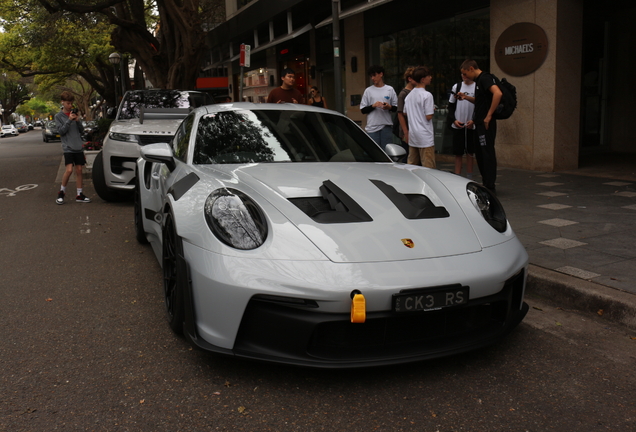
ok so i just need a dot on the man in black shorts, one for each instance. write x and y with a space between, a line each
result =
70 128
486 100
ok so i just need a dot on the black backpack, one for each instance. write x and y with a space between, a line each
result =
508 102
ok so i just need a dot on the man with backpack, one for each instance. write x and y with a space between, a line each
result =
486 100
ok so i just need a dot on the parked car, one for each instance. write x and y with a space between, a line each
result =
30 126
286 234
144 117
21 126
38 123
50 132
8 130
90 129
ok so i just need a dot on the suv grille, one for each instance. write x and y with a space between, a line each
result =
153 139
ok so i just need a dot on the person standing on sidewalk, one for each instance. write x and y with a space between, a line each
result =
286 93
70 127
463 125
401 118
486 100
378 100
419 109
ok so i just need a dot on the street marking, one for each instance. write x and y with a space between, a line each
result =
11 192
85 228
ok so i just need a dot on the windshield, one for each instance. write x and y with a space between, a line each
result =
282 136
161 99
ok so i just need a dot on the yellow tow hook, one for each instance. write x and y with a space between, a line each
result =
358 307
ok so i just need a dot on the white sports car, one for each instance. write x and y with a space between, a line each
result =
286 234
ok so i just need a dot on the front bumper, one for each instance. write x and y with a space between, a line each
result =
233 307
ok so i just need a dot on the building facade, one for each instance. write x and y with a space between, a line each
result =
571 98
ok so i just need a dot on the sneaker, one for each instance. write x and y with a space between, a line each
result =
60 198
82 198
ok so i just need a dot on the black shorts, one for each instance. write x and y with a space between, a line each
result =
74 159
463 142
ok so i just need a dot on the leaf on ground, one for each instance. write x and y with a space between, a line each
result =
242 409
558 323
539 309
49 299
600 312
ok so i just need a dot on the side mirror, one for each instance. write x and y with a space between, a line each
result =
159 153
395 152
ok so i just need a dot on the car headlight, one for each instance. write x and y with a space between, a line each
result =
123 137
488 206
235 219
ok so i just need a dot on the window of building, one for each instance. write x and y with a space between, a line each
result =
442 46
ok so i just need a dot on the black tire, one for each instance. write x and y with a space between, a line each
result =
172 248
45 139
140 234
99 182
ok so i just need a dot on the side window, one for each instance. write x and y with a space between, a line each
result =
182 138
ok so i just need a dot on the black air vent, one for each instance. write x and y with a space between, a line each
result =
334 206
412 206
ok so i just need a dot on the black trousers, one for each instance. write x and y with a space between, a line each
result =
485 153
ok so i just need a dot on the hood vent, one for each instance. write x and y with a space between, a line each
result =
412 206
334 206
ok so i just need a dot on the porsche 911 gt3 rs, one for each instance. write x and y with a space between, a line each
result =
286 234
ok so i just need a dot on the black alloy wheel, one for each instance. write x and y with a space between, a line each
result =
173 292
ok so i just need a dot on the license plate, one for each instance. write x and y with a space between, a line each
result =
57 136
430 299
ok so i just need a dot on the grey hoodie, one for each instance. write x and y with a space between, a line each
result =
70 133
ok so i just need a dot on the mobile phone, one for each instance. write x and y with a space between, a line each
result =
74 110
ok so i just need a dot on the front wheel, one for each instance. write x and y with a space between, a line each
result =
173 292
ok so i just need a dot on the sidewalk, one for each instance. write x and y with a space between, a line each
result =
580 234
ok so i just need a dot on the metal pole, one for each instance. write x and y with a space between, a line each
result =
241 85
124 62
115 86
337 63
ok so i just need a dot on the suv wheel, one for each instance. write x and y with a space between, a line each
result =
99 182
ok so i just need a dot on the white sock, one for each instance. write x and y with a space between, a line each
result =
63 188
79 191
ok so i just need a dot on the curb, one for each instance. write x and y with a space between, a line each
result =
617 306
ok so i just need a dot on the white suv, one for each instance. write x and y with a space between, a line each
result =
144 117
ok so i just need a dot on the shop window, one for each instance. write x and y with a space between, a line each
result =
441 46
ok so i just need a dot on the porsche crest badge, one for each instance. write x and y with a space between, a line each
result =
408 243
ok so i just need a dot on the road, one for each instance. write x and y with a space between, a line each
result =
85 346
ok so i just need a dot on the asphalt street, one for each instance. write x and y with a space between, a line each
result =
85 346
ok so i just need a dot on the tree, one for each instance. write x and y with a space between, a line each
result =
13 92
54 48
169 52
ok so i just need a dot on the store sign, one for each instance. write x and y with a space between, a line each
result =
521 49
245 55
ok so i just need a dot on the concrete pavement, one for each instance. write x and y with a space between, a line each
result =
580 232
579 229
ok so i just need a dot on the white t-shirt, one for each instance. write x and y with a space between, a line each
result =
464 110
379 117
417 105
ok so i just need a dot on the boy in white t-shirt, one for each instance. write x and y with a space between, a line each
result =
463 125
419 109
378 101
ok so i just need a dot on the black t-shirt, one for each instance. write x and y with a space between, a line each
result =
483 96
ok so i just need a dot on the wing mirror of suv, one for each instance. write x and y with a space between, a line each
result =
159 153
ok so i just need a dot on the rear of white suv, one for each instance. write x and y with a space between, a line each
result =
144 117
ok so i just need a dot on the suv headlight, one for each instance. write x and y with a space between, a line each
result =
488 206
235 219
123 137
